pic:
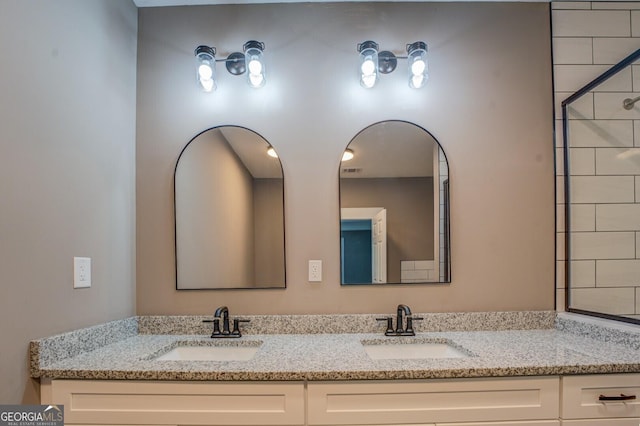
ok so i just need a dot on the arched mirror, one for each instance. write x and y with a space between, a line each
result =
394 207
229 212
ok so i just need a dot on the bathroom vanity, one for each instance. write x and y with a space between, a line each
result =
526 369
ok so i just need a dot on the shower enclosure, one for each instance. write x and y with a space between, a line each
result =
601 129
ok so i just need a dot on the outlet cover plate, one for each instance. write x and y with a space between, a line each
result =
315 271
81 272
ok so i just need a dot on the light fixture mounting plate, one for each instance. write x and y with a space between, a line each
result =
387 62
235 63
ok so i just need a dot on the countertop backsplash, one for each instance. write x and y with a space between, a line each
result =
351 323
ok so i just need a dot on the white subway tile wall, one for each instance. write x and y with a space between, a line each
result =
617 161
583 218
590 23
618 217
417 271
616 301
583 273
602 245
617 273
636 126
602 189
604 163
574 50
610 50
598 133
583 161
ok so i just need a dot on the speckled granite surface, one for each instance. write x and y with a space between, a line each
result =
563 349
364 323
68 345
606 331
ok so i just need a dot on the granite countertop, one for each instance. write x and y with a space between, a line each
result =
518 344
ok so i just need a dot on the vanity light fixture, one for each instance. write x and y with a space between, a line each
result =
372 62
347 155
250 62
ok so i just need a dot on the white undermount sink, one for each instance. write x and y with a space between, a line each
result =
210 353
412 350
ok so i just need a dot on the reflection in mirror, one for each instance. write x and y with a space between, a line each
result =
394 207
229 212
602 193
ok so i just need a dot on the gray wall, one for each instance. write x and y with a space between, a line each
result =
67 172
489 103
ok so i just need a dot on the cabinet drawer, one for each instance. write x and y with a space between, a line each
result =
581 396
177 403
433 401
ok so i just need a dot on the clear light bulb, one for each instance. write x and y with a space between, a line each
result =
418 67
368 63
417 81
207 85
255 66
255 63
256 80
368 81
368 67
205 71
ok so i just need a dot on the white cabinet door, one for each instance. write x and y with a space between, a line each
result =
432 401
129 402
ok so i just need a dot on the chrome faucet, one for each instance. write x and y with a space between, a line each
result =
401 329
223 313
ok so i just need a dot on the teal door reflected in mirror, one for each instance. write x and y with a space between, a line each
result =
394 207
229 212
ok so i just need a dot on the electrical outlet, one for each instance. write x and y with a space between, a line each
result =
81 272
315 271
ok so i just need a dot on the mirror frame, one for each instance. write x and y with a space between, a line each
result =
447 211
175 222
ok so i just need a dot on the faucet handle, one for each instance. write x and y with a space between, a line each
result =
216 326
389 321
236 326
